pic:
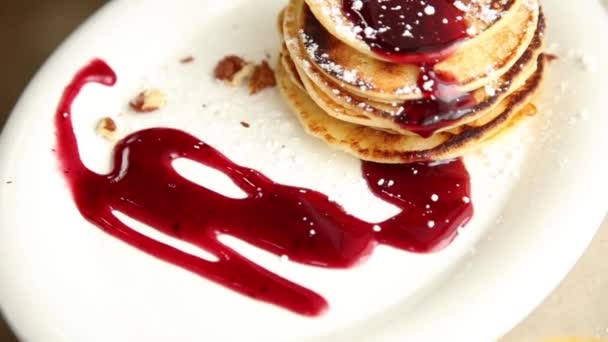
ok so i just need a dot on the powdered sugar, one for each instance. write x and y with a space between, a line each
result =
349 76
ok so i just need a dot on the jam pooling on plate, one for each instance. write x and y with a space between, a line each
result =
428 41
299 223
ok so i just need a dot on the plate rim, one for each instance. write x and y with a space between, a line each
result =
94 22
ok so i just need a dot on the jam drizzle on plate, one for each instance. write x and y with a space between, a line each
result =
300 223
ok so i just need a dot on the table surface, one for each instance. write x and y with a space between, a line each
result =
34 28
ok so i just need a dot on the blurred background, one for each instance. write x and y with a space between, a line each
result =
31 29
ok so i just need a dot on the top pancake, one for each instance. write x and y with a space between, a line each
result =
481 14
477 61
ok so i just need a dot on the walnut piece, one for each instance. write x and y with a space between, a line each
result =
235 70
228 67
262 78
551 57
149 101
186 60
107 128
245 73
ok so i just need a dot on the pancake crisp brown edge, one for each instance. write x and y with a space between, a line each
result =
519 106
389 121
500 66
386 121
470 138
327 104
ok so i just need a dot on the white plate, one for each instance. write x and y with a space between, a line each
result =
539 194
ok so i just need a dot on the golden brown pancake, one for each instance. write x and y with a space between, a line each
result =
342 105
479 60
379 146
483 14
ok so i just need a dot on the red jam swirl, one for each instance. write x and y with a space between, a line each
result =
299 223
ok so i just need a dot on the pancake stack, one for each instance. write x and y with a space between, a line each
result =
401 81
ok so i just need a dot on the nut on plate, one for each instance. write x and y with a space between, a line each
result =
149 101
234 70
107 128
262 78
228 67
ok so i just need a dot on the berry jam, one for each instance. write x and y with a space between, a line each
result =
299 223
442 103
422 33
441 106
405 31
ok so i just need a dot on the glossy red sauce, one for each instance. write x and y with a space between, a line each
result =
408 31
441 106
429 41
299 223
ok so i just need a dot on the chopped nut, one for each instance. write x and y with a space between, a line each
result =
186 60
245 124
551 57
244 74
262 78
107 128
228 67
149 101
530 110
